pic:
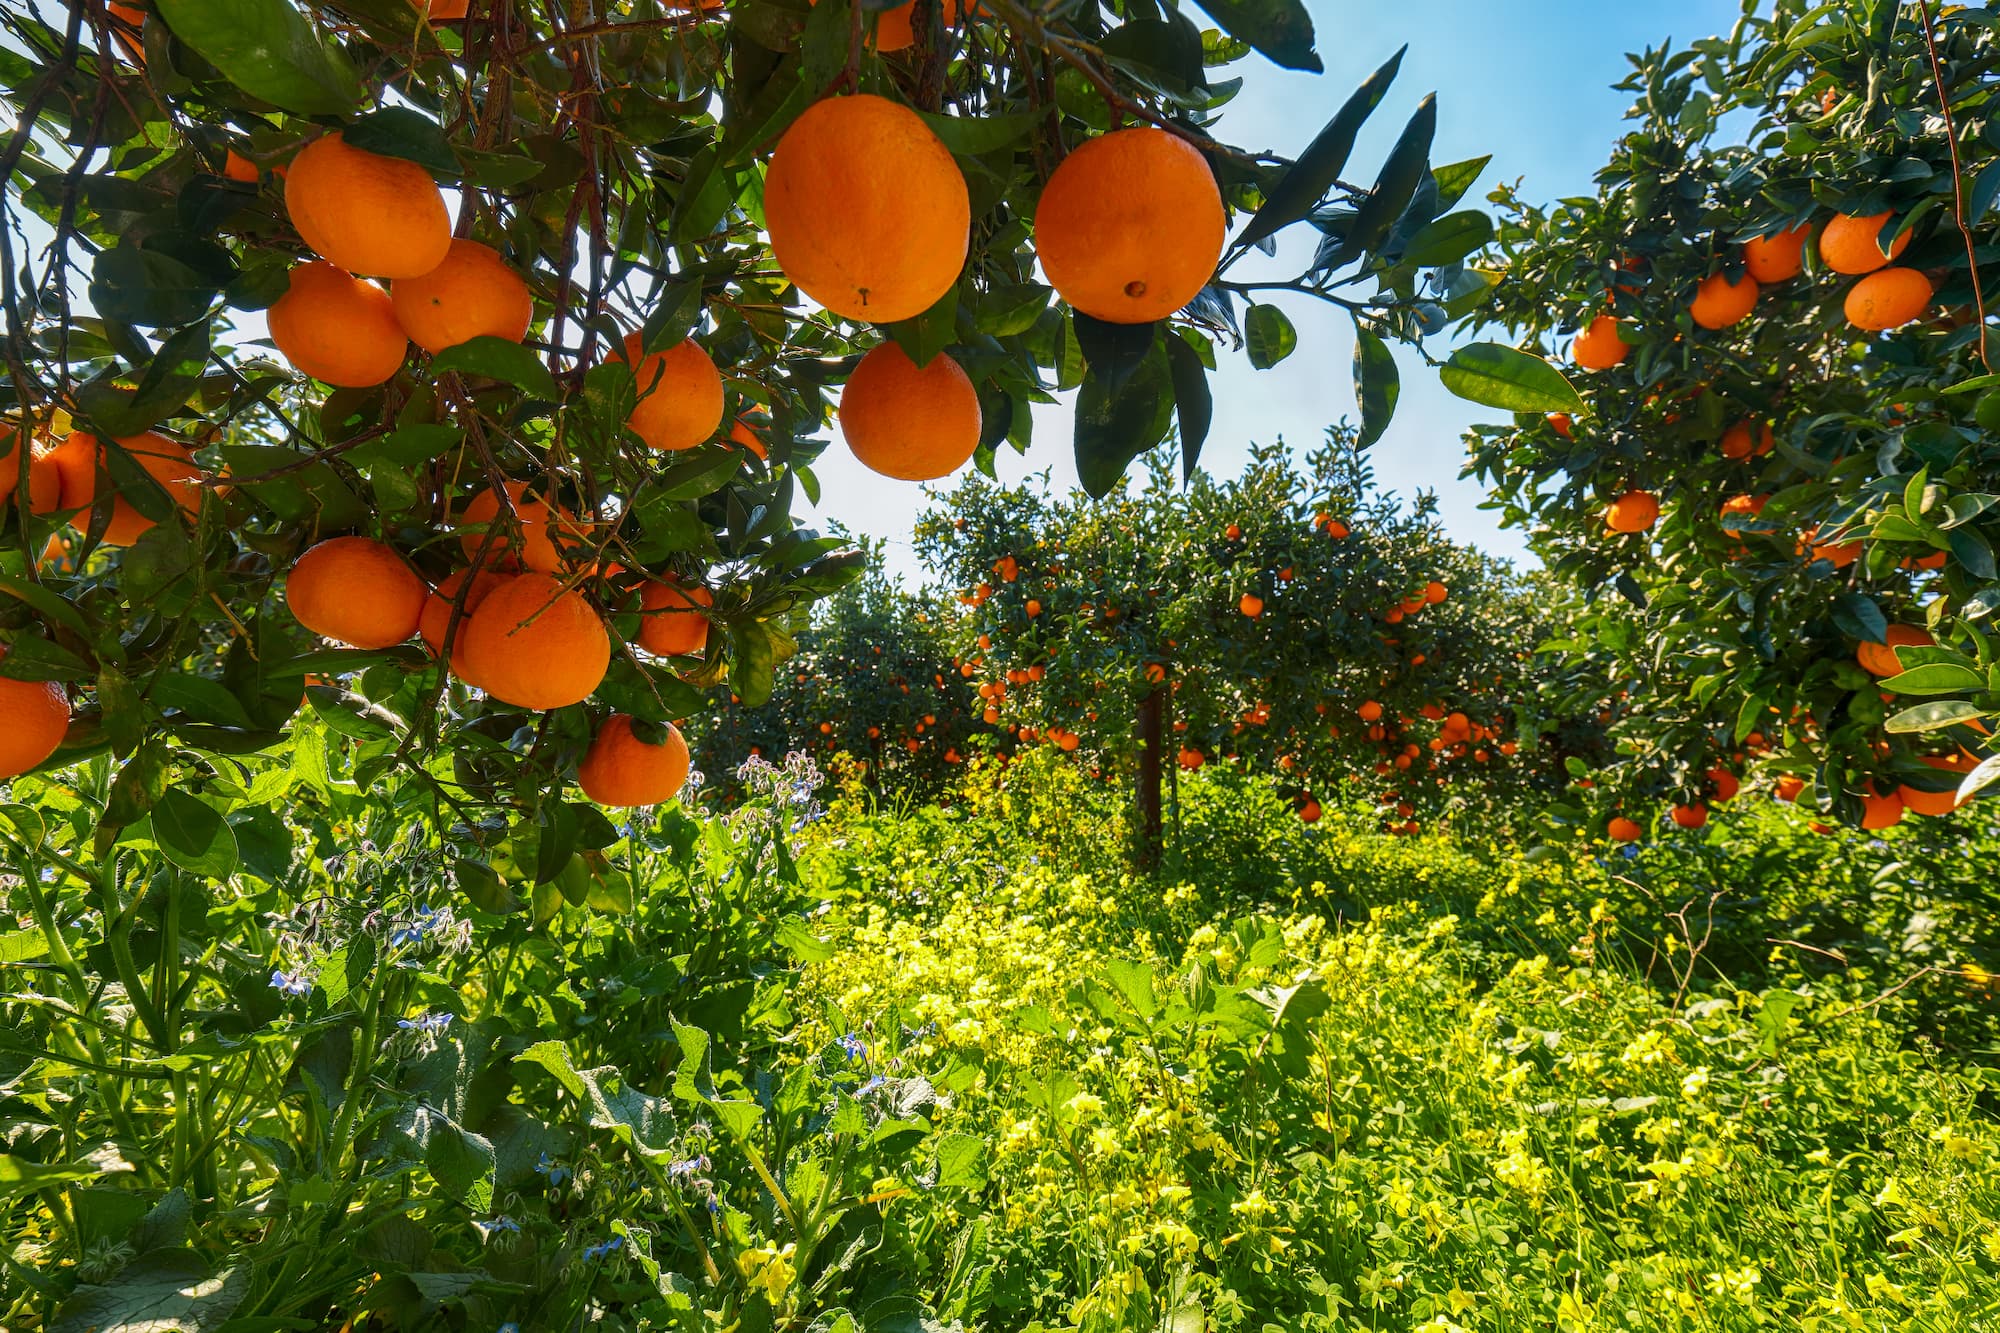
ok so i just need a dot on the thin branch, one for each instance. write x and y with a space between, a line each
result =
1957 177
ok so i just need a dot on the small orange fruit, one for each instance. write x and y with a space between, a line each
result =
906 423
680 394
748 430
442 11
436 616
623 767
1251 605
1369 712
376 216
239 168
866 210
1690 816
1741 506
1853 245
356 591
1621 829
671 621
472 294
1739 443
1889 299
1722 784
1435 592
1599 347
80 458
34 718
1562 425
1777 258
1634 511
1880 811
1719 303
1130 226
535 643
1788 787
1879 659
44 476
337 328
1191 758
548 535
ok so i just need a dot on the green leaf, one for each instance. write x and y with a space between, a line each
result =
1931 716
149 287
1454 180
1495 375
923 336
1113 427
397 131
18 1175
976 136
1281 29
498 359
961 1162
796 937
753 666
1858 616
1194 406
1269 335
269 50
194 836
1449 239
1307 180
1407 166
1935 678
1377 384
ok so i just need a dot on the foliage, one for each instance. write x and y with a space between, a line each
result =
1713 635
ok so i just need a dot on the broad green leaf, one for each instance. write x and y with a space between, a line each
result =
1377 384
1307 180
1269 335
269 50
1935 678
1407 166
1115 427
1281 29
498 359
398 131
1194 406
1449 239
1931 716
194 836
975 136
1495 375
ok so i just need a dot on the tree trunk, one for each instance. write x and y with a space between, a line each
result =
1152 746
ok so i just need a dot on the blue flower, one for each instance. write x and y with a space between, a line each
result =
602 1248
688 1166
852 1044
425 1022
870 1086
290 983
555 1171
489 1225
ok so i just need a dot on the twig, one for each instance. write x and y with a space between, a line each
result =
1957 177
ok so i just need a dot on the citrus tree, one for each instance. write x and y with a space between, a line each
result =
1780 495
1295 618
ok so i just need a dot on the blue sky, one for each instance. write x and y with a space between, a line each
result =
1525 80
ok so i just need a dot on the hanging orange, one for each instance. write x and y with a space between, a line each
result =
549 536
1777 258
747 431
680 394
1879 659
906 423
536 644
1853 245
356 591
1719 303
1739 443
1634 511
1621 829
336 328
34 718
1599 347
80 458
623 768
376 216
472 294
44 477
1889 299
435 618
1130 226
671 622
866 210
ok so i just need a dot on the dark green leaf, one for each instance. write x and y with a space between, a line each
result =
269 50
1194 406
1113 352
1281 29
498 359
1113 427
1931 716
194 836
1269 335
1449 239
1408 165
1307 180
1377 384
975 136
397 131
1456 178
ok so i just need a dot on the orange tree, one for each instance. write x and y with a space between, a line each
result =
1781 494
1295 619
558 421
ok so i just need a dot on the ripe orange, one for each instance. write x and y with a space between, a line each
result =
748 431
1838 554
1251 605
1690 816
1747 506
624 768
895 29
337 328
1309 811
1933 803
1130 225
1879 811
1369 712
356 591
906 423
536 644
1634 511
377 216
79 458
545 538
1777 258
1889 299
126 32
680 394
1879 659
34 717
442 11
1722 784
1788 787
1719 303
1599 347
1621 829
1853 244
671 621
1738 442
436 616
472 294
44 477
1435 592
1191 758
866 210
239 168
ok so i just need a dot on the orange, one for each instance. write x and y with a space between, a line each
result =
338 329
377 216
472 294
34 717
671 621
1777 258
624 768
1879 659
79 458
1562 425
44 477
1889 299
1369 712
237 167
1634 511
1838 554
1599 347
1722 784
435 619
1130 225
866 210
131 21
1621 829
1690 816
356 591
1932 803
748 429
534 547
906 423
1880 812
1747 506
1309 811
442 11
1251 605
895 29
1853 244
1435 592
1191 758
1788 788
1719 303
1739 443
680 394
535 643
